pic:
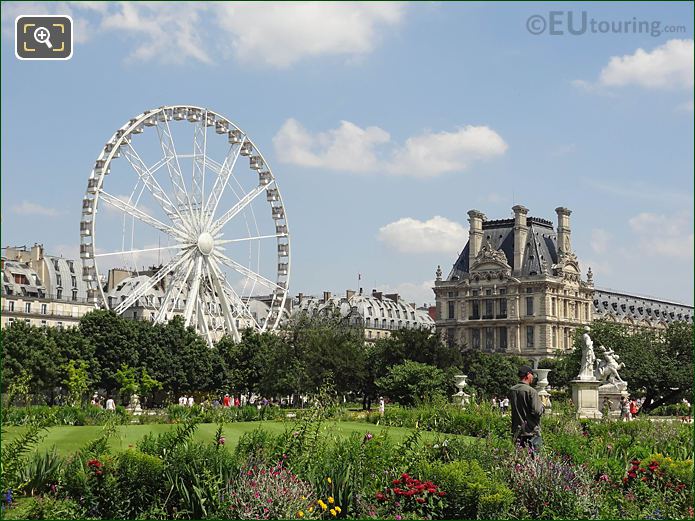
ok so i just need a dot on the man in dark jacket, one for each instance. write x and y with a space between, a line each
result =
526 411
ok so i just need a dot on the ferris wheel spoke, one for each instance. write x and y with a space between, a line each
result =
225 171
146 175
176 247
244 239
247 272
223 286
203 323
198 176
166 142
193 293
143 288
176 286
140 215
243 203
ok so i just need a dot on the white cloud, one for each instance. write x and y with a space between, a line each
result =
272 34
29 208
663 235
347 147
669 66
170 33
352 148
437 235
600 239
282 34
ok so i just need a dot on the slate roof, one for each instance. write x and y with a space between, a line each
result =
541 246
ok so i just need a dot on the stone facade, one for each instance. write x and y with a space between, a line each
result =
379 314
516 288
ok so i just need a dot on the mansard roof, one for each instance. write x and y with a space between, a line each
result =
540 251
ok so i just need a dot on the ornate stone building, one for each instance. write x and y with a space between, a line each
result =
516 287
638 311
379 314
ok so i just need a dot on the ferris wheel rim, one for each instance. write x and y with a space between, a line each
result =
123 136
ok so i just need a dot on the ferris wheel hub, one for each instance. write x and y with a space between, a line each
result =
205 243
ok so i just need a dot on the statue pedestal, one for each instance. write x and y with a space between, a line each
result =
613 393
585 398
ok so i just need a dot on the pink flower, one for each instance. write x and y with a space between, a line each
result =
221 440
398 517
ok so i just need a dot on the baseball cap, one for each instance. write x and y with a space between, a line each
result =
524 370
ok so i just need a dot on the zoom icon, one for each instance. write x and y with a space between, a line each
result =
43 37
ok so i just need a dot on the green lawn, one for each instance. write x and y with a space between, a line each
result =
68 439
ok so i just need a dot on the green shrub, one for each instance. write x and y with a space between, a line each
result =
470 493
140 484
46 507
40 472
673 409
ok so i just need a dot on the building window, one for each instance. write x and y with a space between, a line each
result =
450 310
451 336
390 314
529 336
59 280
369 334
488 292
74 294
44 309
59 294
586 312
529 306
74 281
555 337
10 305
502 308
503 291
27 307
44 324
59 325
71 265
502 337
475 310
474 292
488 308
383 324
368 322
489 338
567 338
554 306
564 309
382 312
10 320
576 310
475 338
529 290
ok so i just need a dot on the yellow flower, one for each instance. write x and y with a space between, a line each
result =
337 509
300 514
303 498
311 509
322 505
329 481
331 500
333 512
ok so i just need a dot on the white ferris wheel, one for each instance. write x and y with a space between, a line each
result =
171 215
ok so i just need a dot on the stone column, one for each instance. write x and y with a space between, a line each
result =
475 234
564 243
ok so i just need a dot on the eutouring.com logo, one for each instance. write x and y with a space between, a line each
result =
560 23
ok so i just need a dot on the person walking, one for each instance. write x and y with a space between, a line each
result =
382 405
527 410
504 405
110 404
633 409
227 401
191 401
624 409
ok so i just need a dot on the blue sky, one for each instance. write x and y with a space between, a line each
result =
384 124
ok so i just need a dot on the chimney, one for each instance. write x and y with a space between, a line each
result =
349 294
520 233
564 244
326 296
475 235
300 297
392 296
376 294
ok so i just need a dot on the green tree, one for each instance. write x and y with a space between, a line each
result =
77 381
410 383
127 382
491 373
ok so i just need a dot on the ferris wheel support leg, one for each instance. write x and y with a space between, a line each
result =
226 308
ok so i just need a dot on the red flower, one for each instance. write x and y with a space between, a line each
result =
441 494
94 463
420 500
380 496
396 482
405 476
635 461
631 475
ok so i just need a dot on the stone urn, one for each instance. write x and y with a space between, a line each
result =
541 385
461 396
134 405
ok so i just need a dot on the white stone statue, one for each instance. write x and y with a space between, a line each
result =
586 371
607 370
